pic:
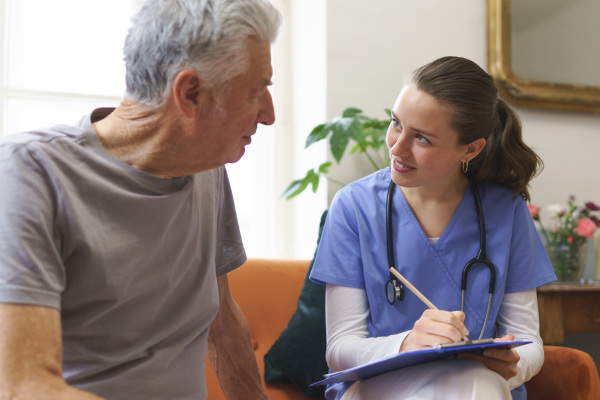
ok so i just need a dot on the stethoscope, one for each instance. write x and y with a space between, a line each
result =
395 290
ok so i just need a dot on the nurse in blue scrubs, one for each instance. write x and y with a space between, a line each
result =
448 127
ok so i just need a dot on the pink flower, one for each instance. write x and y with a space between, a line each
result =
585 228
533 210
570 238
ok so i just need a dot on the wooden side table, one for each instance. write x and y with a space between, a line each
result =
568 309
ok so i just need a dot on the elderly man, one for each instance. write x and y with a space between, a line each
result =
117 234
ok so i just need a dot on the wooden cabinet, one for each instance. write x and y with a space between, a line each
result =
568 309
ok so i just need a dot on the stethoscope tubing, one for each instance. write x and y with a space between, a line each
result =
395 288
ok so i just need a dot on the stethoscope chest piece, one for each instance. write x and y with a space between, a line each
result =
394 291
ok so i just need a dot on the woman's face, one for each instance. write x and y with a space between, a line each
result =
424 149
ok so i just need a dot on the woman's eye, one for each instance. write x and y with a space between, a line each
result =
396 123
422 138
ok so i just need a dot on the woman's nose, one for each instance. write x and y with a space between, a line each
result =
400 146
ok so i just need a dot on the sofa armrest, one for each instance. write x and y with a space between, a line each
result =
566 374
267 291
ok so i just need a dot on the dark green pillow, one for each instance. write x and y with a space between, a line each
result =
298 355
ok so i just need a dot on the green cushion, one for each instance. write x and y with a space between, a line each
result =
298 355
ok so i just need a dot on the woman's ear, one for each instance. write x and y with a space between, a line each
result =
474 148
188 89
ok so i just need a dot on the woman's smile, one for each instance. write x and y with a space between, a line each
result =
401 167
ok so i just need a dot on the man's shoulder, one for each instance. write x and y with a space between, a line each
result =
50 134
41 137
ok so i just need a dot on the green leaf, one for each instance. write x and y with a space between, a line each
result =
351 112
295 188
311 178
324 168
355 132
356 148
319 132
314 181
347 123
338 142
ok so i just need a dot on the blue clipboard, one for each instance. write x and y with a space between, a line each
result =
413 357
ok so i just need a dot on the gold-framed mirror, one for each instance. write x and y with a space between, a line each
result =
533 92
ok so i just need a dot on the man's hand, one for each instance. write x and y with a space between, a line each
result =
230 351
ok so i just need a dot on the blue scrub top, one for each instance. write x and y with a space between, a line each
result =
353 253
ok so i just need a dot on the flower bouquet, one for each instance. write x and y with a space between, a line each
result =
566 241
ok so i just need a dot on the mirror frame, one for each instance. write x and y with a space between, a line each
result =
525 92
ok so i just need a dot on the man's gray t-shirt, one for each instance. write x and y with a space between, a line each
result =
130 259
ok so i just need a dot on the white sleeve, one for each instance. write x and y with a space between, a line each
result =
348 341
518 315
349 344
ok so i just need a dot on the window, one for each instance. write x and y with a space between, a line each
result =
61 59
272 226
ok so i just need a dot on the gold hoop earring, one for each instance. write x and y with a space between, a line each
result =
465 167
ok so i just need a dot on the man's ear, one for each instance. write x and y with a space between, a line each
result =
188 89
474 148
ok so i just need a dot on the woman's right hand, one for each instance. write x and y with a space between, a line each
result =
435 327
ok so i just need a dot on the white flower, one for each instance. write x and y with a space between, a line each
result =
555 209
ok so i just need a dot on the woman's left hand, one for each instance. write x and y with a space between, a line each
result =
503 361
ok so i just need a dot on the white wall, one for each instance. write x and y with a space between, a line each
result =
372 45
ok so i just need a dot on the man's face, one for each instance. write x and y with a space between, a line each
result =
247 102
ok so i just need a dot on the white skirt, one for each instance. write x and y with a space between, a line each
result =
444 379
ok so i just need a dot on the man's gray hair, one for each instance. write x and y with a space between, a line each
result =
208 36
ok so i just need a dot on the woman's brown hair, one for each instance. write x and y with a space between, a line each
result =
477 111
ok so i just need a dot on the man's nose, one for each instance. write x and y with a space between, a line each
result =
266 114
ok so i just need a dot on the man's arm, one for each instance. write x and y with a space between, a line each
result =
230 352
31 355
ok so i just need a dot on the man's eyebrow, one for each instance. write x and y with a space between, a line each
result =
263 84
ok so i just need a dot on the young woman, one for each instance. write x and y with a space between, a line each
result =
454 146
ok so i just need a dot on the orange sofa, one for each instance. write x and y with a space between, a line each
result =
267 291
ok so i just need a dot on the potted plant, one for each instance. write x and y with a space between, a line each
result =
367 136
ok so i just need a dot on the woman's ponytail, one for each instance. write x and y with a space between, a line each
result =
506 159
477 112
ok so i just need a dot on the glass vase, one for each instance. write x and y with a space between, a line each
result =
567 260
